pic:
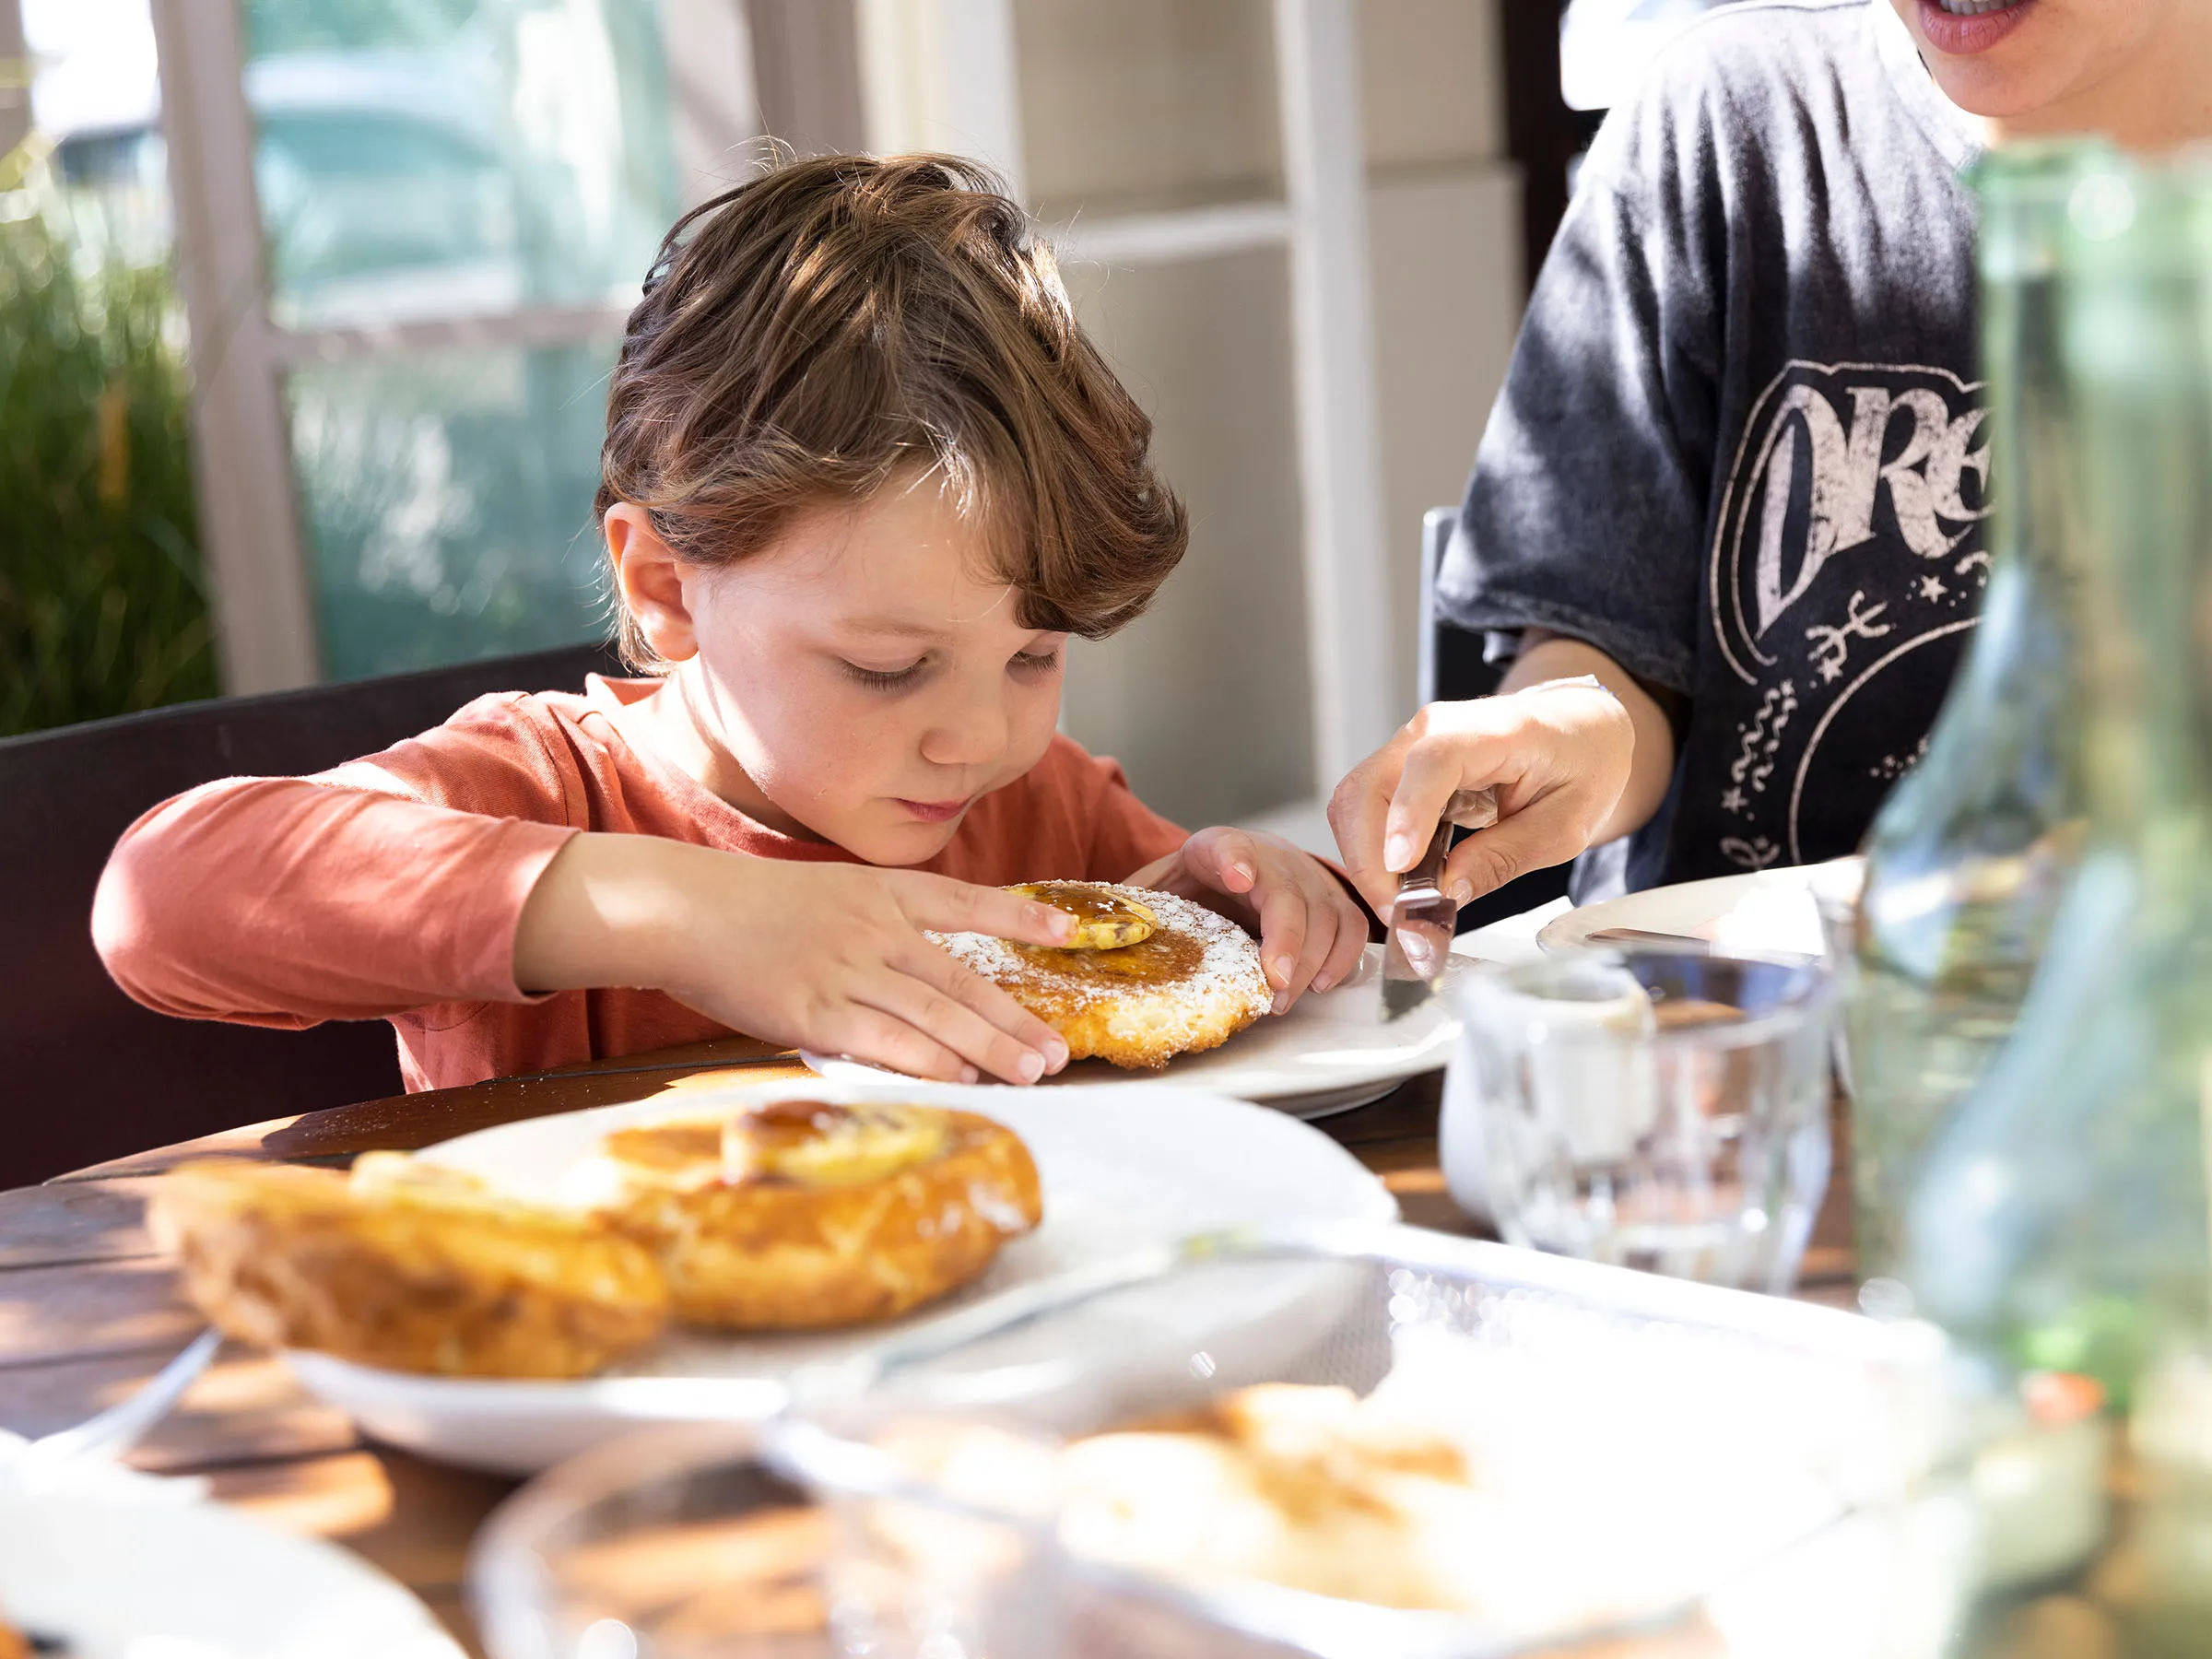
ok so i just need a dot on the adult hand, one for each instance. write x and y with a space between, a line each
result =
1558 755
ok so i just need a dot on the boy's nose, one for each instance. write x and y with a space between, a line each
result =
972 734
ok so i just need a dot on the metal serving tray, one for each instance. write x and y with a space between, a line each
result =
1741 1473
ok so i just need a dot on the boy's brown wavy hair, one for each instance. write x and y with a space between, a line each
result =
837 321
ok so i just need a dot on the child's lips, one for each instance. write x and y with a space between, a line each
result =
1958 35
936 812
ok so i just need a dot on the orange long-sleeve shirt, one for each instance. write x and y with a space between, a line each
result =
392 886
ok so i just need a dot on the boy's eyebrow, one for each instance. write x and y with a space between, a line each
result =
894 625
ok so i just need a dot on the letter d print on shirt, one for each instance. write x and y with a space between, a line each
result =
1849 536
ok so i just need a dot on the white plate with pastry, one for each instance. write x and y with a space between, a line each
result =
1185 995
1165 1161
1328 1054
110 1575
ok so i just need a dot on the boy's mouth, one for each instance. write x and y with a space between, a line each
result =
937 812
1962 27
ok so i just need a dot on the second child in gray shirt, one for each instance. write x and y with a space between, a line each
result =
1738 471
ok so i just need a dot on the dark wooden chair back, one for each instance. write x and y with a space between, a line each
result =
85 1073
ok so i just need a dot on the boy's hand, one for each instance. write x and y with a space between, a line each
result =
1560 755
828 956
1311 932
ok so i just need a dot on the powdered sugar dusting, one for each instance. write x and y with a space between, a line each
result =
1227 972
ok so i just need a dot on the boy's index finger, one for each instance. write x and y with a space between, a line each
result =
1223 856
967 908
1041 923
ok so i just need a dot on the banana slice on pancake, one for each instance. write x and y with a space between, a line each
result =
1105 920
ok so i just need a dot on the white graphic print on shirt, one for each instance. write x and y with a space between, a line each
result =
1848 539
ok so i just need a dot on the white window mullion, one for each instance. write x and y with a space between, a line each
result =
1144 239
241 448
708 46
976 67
536 327
1350 641
942 74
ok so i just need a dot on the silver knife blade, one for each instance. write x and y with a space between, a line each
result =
1417 940
1685 944
1419 934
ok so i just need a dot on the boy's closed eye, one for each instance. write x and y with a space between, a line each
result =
1027 664
884 679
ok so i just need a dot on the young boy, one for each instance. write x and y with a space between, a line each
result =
1737 475
863 478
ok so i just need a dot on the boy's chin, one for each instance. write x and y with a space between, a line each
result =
1991 92
895 839
2015 81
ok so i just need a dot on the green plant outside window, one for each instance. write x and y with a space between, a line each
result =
103 609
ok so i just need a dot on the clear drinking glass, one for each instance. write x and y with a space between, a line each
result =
1651 1110
676 1544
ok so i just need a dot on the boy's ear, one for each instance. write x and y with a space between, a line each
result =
649 577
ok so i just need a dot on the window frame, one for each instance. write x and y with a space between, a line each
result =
250 532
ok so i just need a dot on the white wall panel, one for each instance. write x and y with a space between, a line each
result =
1204 697
1447 262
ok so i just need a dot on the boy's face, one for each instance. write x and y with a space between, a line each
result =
868 676
2061 65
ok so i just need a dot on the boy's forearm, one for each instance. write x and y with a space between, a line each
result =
288 901
1550 656
606 911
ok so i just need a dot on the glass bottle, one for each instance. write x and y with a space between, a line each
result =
1968 857
2061 1219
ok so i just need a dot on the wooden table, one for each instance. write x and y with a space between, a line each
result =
89 1310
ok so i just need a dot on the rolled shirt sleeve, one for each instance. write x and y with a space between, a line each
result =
383 885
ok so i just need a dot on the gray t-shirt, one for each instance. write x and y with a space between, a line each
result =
1740 446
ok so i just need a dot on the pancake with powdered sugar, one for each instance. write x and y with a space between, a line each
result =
1192 984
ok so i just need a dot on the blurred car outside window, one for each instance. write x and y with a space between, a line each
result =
508 165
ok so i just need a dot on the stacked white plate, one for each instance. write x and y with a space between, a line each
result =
1151 1163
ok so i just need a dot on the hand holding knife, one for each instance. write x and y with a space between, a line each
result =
1419 939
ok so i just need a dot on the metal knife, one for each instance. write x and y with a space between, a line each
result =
1683 944
1417 940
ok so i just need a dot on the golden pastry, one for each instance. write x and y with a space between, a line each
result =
1303 1487
405 1265
801 1213
1191 980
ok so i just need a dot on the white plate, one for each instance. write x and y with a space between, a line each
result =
1155 1162
1327 1054
124 1578
1757 913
